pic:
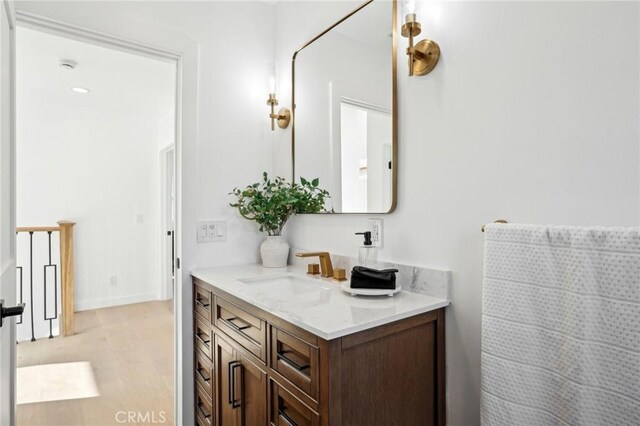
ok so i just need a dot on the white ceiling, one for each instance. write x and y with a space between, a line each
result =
120 82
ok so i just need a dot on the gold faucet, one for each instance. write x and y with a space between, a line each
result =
325 262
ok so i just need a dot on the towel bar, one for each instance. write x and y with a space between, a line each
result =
495 221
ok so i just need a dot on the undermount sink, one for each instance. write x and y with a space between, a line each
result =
285 282
279 279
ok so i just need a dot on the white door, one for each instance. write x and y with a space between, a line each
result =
7 215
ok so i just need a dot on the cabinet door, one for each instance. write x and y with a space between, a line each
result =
227 378
254 393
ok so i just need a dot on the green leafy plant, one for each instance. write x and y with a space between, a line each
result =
272 202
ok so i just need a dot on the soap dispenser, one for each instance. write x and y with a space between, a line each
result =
367 255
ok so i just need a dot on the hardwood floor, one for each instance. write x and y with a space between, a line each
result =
130 349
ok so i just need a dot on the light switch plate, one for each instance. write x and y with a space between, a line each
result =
375 226
211 231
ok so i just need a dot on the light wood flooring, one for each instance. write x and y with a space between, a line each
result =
130 349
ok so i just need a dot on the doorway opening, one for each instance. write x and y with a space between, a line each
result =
96 130
365 155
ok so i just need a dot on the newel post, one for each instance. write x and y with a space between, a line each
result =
66 274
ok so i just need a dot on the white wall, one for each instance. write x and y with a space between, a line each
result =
226 136
531 115
92 159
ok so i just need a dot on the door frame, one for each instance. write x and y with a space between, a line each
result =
39 23
166 289
8 366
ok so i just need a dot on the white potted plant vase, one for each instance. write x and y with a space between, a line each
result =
274 251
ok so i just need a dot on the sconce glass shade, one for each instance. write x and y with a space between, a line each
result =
408 7
271 72
410 25
272 84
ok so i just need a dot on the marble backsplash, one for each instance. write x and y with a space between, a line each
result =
416 279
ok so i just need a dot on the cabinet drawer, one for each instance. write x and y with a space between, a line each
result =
204 408
295 360
203 336
287 410
245 328
202 299
200 422
203 373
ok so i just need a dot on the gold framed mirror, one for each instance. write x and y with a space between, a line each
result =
344 115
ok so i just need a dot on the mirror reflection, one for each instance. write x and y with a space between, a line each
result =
344 118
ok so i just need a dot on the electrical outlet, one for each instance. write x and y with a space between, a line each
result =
375 226
113 280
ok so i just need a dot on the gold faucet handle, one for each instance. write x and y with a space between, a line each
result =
339 274
313 269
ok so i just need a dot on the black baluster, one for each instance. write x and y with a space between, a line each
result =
33 334
55 290
19 268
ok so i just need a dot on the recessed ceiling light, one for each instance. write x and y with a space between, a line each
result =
80 90
68 64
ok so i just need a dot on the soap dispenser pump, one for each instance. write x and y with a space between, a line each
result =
367 254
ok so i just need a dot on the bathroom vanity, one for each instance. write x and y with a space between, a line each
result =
278 347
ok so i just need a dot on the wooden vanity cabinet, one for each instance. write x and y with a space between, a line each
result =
259 370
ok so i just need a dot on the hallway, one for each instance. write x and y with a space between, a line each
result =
130 350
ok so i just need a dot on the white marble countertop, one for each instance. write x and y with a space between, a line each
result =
315 304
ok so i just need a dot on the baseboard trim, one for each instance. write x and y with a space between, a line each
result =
85 305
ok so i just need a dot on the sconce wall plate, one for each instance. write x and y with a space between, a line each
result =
425 57
284 118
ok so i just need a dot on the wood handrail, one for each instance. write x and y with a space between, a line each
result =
37 229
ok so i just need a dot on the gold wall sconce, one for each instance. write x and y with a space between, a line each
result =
424 56
283 117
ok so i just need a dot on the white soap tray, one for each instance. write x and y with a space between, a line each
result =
346 287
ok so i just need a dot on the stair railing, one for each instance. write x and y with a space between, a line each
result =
65 228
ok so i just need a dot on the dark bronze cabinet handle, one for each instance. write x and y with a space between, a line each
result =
202 376
205 342
232 383
288 419
205 306
292 363
201 410
235 326
238 365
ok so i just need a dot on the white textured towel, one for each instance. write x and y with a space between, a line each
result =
561 326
